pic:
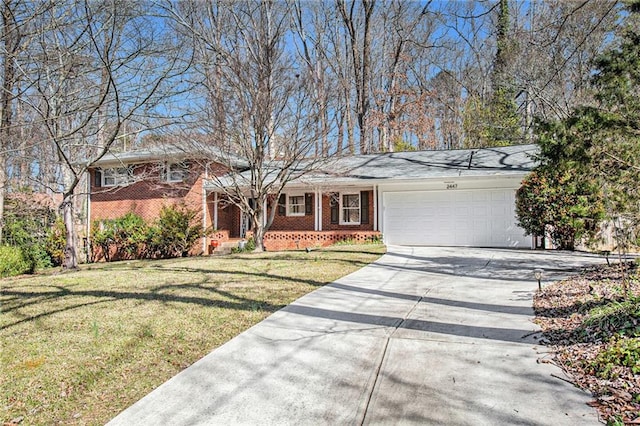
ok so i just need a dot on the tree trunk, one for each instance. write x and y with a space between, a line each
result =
258 237
70 249
257 216
349 120
2 185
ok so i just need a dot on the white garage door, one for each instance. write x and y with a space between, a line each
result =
478 218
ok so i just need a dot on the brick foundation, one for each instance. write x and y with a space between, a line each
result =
300 240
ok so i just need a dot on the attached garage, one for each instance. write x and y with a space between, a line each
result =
476 217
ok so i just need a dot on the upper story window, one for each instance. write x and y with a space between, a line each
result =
350 209
116 176
295 205
176 172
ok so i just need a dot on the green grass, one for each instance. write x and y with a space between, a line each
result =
79 347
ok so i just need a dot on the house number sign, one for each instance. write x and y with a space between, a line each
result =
451 185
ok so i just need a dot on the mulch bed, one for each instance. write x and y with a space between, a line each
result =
577 332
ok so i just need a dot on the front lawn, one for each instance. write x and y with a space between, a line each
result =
79 347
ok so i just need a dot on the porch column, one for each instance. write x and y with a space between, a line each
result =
379 218
318 215
215 210
204 219
375 207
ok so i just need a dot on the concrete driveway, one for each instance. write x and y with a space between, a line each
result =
424 336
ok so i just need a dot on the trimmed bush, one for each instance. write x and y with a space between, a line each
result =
56 242
121 238
13 262
130 237
29 235
173 234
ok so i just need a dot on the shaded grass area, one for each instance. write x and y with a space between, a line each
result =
79 347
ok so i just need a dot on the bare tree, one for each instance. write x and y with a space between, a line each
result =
558 43
268 120
10 41
312 30
15 36
357 18
97 66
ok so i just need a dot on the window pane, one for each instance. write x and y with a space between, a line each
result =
351 208
176 172
115 176
352 200
352 215
296 204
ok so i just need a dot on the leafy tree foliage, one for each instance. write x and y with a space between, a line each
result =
560 203
495 121
615 137
594 154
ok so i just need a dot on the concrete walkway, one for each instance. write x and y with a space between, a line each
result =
424 336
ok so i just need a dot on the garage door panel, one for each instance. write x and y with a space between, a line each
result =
452 218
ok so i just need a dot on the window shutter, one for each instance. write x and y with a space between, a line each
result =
335 209
364 207
97 178
308 204
282 205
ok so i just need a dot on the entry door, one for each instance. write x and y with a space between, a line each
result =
245 221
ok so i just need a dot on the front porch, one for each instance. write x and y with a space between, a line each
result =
305 218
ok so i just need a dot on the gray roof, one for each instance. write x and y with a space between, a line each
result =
140 156
434 164
372 168
167 153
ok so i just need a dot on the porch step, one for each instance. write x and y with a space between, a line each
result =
226 247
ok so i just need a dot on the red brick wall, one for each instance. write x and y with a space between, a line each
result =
294 223
145 197
306 223
326 217
300 240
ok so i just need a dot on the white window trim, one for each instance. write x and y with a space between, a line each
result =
287 204
167 174
118 177
341 211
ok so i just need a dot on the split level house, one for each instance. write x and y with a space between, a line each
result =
427 198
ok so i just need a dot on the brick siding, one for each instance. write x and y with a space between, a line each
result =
150 194
326 217
282 222
300 240
145 197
